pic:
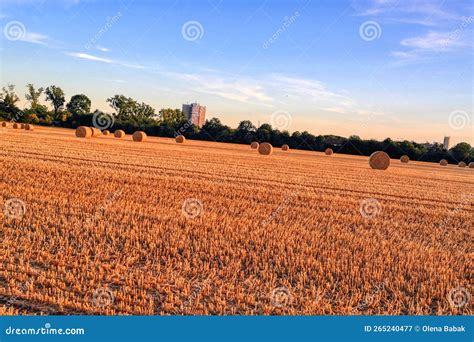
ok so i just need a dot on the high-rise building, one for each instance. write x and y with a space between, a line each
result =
195 113
446 143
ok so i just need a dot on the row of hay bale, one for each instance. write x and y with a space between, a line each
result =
18 125
378 160
138 136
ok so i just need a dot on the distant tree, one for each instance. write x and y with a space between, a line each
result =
79 105
8 100
171 116
127 108
461 151
213 129
245 132
33 95
56 96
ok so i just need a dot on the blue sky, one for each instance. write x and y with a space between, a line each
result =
376 68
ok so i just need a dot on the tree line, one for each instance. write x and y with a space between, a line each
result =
131 115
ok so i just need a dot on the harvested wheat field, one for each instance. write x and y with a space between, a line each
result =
108 226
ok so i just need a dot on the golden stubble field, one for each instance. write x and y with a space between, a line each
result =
111 226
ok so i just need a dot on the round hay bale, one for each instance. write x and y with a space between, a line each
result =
106 132
180 139
405 159
471 165
4 124
254 145
328 151
139 136
265 149
119 133
16 125
462 164
22 126
285 147
379 160
443 162
83 132
95 132
29 127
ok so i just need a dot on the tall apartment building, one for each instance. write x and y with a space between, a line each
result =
195 113
446 143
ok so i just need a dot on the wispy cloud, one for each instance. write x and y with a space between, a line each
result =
421 12
435 41
101 48
35 38
90 57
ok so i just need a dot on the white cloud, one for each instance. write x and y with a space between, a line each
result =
421 12
436 41
101 48
90 57
35 38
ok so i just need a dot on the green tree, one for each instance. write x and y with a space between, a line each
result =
8 100
79 105
461 151
171 116
33 95
127 108
56 96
